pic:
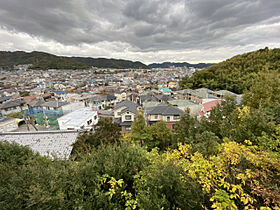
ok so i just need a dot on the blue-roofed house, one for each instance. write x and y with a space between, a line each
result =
61 95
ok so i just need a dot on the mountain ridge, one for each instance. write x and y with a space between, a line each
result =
43 60
179 64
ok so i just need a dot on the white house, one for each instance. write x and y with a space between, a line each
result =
84 118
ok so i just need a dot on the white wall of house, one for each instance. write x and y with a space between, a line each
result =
155 117
128 117
170 118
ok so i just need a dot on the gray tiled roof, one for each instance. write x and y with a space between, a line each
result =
148 97
128 106
46 143
5 98
12 103
55 104
104 98
165 110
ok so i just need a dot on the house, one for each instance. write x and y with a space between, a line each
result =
149 97
208 106
196 96
55 107
4 99
61 94
8 124
173 85
102 102
46 143
125 113
84 118
163 112
163 98
185 105
120 96
223 93
12 106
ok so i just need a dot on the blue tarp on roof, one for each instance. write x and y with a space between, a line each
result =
61 92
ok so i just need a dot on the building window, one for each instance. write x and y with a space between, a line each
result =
128 117
168 119
176 117
89 122
156 117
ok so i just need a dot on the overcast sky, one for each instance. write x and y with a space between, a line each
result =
145 30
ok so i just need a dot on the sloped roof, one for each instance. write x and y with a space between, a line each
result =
225 92
46 143
165 110
5 98
103 98
55 104
128 106
12 103
164 97
148 97
209 105
182 103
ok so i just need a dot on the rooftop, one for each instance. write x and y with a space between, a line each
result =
55 104
46 143
77 117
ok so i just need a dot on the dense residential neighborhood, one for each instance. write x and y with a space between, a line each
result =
46 98
61 100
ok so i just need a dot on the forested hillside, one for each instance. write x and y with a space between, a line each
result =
184 64
236 74
41 60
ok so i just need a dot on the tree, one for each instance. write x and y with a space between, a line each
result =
265 91
106 132
185 129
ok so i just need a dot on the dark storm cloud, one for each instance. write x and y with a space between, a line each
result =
145 25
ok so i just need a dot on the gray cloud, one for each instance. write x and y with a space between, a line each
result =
140 29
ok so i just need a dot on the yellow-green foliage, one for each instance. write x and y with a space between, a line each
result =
238 176
236 74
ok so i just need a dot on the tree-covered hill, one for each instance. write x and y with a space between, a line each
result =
236 74
41 60
184 64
